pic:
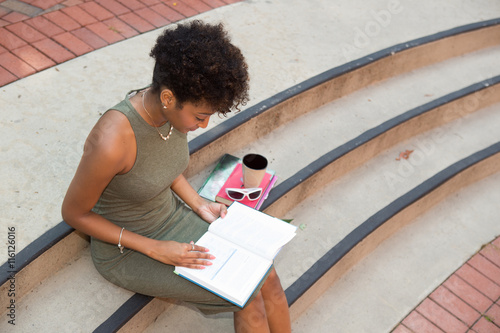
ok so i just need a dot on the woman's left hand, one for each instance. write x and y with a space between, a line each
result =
210 211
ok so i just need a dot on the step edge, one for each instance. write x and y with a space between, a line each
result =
312 169
347 246
291 183
232 123
53 235
61 230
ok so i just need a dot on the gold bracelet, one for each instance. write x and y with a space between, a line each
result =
120 241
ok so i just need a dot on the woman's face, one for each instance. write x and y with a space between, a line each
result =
189 118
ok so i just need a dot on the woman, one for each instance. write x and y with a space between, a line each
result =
122 194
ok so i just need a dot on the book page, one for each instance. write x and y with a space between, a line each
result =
253 230
235 272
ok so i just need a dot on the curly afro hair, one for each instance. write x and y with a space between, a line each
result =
200 65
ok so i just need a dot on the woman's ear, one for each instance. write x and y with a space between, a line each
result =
167 98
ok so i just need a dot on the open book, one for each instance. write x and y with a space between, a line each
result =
244 244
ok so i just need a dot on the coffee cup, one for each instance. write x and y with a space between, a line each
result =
254 169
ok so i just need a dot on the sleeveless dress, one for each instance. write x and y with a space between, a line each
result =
141 201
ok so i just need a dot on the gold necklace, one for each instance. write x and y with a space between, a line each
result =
165 138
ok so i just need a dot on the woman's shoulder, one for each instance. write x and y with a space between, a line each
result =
112 139
112 124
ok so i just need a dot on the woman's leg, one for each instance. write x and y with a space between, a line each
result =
278 315
268 312
252 318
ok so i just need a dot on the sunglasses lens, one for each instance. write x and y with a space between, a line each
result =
254 195
235 195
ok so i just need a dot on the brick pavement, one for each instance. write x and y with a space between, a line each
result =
468 301
38 34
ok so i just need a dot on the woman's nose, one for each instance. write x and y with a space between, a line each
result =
204 123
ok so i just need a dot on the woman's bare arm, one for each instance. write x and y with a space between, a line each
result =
209 211
107 152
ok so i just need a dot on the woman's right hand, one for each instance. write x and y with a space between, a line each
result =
181 254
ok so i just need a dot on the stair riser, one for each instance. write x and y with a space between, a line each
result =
356 154
296 105
384 229
44 266
260 120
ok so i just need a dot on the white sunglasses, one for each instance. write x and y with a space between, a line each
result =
238 194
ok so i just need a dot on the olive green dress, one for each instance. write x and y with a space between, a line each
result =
141 201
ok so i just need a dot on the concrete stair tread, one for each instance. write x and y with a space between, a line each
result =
461 139
76 295
288 63
317 210
294 52
48 309
317 132
407 267
326 223
395 277
183 319
376 184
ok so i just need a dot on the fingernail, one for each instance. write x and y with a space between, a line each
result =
212 257
208 263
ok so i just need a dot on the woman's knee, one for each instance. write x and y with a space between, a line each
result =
253 315
272 289
273 281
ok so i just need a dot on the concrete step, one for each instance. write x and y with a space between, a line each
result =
280 138
293 53
60 280
353 162
383 71
75 299
336 210
378 292
411 54
314 134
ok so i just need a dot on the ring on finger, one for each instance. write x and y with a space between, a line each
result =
192 247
